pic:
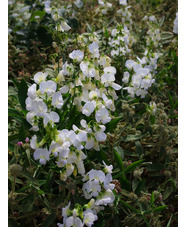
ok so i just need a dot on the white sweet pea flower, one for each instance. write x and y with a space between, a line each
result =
64 89
108 169
75 222
107 184
89 218
110 69
123 2
67 69
32 91
42 155
153 107
57 100
141 92
69 169
77 55
126 76
33 142
52 117
88 108
91 189
94 49
54 148
107 79
129 64
39 77
39 108
63 27
96 175
175 28
99 133
48 87
103 116
106 198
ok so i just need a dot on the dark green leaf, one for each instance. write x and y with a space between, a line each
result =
112 124
12 223
140 187
119 161
155 167
139 148
160 208
129 207
120 151
49 220
22 134
167 193
22 93
133 166
168 224
125 183
132 137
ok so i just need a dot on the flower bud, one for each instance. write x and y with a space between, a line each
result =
15 169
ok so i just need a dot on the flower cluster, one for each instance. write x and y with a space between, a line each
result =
139 77
125 14
99 186
120 41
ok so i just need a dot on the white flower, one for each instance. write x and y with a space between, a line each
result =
48 87
32 91
75 222
57 100
33 142
39 77
110 69
67 69
89 218
152 18
42 155
77 55
39 108
94 49
129 64
91 189
69 169
107 78
63 27
103 116
126 76
123 2
64 89
108 169
175 28
153 107
106 198
88 108
90 142
53 117
107 181
96 175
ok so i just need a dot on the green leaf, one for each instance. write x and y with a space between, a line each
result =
119 160
160 208
49 220
12 222
155 167
22 93
129 207
140 187
168 224
112 124
125 183
13 112
133 166
18 181
120 151
139 148
132 137
152 199
146 221
37 14
167 192
22 133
